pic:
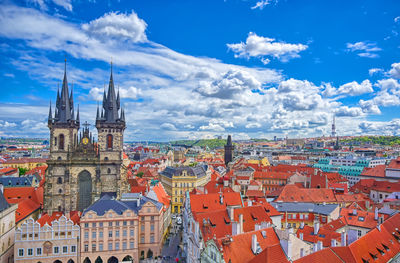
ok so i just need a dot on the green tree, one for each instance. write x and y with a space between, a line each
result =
140 174
22 171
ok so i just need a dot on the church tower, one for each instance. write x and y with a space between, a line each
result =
110 124
64 128
228 151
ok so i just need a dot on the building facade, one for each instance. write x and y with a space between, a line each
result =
79 169
46 243
7 229
178 180
125 230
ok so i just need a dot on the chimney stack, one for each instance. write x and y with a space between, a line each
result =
231 213
333 243
301 225
344 239
254 244
301 236
221 199
319 243
234 228
376 214
316 227
249 203
241 223
354 212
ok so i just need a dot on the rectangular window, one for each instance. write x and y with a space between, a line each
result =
86 224
73 249
117 233
101 247
38 251
132 222
142 228
109 246
142 239
30 251
152 218
124 233
101 234
131 244
101 224
117 223
109 223
65 249
117 246
151 238
20 252
109 233
94 247
152 227
56 250
124 245
93 224
94 234
359 233
294 216
131 233
86 247
86 234
124 223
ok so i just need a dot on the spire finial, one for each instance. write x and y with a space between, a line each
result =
65 64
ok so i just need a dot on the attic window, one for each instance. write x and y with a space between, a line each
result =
205 206
361 218
373 256
227 221
365 260
385 247
381 251
254 217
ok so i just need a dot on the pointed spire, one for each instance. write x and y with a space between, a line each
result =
50 118
77 115
110 102
64 105
98 113
122 115
118 103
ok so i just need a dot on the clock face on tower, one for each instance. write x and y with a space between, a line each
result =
85 140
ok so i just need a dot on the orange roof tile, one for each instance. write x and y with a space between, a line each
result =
325 255
211 201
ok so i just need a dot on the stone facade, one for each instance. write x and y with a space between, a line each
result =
7 231
46 244
79 169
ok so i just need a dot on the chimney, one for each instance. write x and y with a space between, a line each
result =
226 183
316 227
221 199
344 239
138 200
376 214
234 228
249 203
367 205
254 243
354 212
315 247
301 236
205 191
333 243
380 220
241 223
302 225
301 252
319 244
257 227
231 213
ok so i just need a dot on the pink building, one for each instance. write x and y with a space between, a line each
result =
122 230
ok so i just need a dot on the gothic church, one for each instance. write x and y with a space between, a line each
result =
81 170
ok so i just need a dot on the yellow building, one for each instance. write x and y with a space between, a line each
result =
263 162
26 163
178 180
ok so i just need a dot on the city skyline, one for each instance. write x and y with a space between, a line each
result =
191 70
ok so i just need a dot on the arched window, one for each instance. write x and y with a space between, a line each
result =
59 180
59 191
109 170
61 143
109 141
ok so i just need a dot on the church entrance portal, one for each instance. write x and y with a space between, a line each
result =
85 190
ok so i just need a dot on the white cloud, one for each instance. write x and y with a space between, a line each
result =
6 124
261 4
364 49
168 126
117 26
261 47
397 19
217 125
66 4
395 70
346 111
369 107
355 89
374 71
253 125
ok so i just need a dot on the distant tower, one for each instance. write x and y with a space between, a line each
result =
333 127
228 151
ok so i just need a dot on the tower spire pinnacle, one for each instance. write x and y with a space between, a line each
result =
50 118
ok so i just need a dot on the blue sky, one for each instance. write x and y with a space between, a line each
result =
197 69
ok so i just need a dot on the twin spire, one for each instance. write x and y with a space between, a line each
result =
64 110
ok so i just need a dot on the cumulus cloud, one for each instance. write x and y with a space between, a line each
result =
369 107
66 4
6 124
395 70
168 126
364 49
261 4
355 89
262 47
117 26
346 111
217 125
374 71
389 128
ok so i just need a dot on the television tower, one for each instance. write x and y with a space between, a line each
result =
333 127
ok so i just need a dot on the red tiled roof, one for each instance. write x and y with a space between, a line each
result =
239 250
395 163
252 215
362 186
361 219
216 187
47 219
324 234
26 160
254 193
211 202
273 254
377 171
162 195
8 171
325 255
292 193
